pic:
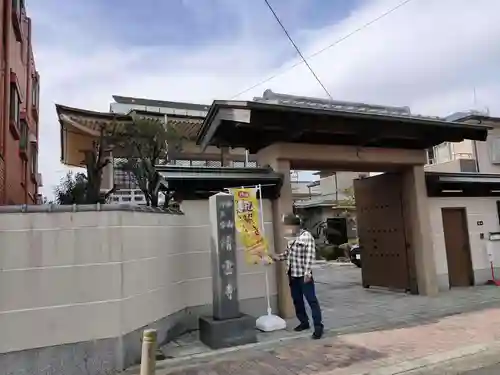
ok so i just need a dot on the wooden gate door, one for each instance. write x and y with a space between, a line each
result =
456 238
381 232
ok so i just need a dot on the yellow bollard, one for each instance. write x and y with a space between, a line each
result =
148 355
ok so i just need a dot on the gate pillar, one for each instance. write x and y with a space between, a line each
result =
417 220
281 206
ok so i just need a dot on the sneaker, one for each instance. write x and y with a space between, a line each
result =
302 327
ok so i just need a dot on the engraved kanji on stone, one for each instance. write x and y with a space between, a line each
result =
228 267
225 268
226 225
228 204
226 244
229 291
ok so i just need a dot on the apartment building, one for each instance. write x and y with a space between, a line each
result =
19 107
468 156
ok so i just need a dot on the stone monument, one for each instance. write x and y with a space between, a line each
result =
227 326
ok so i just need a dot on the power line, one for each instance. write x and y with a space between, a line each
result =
364 26
297 49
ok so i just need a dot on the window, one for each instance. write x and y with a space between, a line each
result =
430 156
33 160
14 112
15 104
17 11
124 179
23 140
494 144
17 7
35 92
442 152
252 164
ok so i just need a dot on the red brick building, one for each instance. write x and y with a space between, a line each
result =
19 107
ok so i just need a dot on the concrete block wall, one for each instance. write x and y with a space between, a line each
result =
479 209
77 288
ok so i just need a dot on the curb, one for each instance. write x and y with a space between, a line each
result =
219 352
192 360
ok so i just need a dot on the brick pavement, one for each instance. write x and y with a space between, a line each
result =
447 334
356 353
346 304
348 309
490 370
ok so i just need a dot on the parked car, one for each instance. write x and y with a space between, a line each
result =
355 254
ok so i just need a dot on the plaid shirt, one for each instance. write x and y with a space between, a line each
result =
300 255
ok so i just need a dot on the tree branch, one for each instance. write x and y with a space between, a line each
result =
109 192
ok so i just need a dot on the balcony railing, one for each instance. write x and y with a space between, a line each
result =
131 196
454 156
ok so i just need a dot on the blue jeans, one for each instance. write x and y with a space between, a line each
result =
300 290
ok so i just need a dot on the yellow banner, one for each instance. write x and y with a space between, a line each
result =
247 222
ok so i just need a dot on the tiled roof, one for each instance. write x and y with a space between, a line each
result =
188 128
185 125
461 116
304 101
160 103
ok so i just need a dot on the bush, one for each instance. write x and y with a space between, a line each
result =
329 252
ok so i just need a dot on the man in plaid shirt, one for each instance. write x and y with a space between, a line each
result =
300 256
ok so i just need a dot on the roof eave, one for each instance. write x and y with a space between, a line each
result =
211 122
159 114
61 109
206 124
363 115
481 119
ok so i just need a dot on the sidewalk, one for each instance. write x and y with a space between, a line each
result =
349 308
384 352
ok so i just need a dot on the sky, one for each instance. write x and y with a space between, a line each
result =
430 55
